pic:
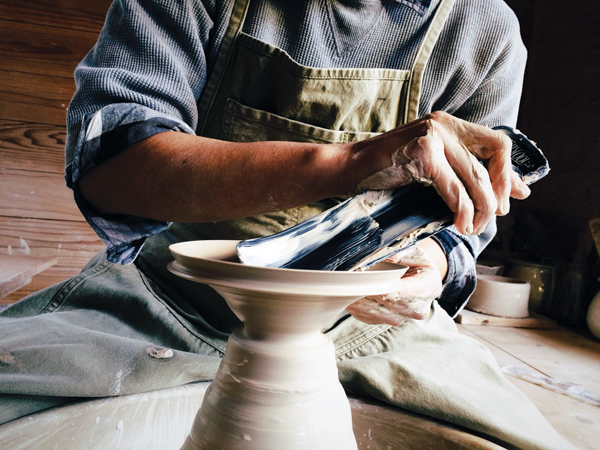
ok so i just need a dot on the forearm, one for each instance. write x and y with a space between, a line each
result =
180 177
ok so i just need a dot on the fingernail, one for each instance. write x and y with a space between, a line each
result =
470 229
525 190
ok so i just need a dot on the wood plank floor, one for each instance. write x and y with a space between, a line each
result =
559 354
41 42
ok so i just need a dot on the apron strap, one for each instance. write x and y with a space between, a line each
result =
223 57
411 108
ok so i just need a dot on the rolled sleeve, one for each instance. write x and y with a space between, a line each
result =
461 252
104 134
144 76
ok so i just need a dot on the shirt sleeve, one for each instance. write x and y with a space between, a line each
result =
492 100
144 76
462 252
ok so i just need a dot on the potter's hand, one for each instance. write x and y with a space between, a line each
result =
444 151
422 284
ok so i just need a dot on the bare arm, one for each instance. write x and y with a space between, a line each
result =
179 177
184 178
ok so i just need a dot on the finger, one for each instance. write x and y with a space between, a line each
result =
429 161
500 170
488 144
418 310
476 181
418 284
481 140
519 189
412 256
453 192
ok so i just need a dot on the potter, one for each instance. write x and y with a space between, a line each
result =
208 120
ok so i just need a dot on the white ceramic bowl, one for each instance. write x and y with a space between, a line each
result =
500 296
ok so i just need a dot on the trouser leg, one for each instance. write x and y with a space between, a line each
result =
92 336
429 368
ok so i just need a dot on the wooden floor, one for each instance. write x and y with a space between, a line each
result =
41 42
557 353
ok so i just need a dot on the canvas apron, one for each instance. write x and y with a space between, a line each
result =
93 330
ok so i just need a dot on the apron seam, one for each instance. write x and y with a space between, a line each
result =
411 107
299 133
215 80
345 135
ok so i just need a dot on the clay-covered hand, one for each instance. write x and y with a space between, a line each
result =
444 151
422 284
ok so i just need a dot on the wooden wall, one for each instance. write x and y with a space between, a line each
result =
41 42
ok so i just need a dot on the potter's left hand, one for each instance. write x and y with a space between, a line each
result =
422 284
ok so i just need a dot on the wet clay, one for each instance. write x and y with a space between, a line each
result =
277 386
410 162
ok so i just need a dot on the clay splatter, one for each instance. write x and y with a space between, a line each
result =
160 353
6 358
24 246
116 389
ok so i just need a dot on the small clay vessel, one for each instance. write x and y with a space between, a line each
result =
277 387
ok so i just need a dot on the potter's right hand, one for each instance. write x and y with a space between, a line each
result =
444 151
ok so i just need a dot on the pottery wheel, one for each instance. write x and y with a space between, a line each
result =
277 386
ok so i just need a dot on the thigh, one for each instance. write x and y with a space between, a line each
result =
105 332
429 368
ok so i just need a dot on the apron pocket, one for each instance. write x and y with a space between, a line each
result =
245 124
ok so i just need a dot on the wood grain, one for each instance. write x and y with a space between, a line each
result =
35 98
72 244
16 271
72 14
32 146
577 422
534 320
48 277
45 50
559 354
39 195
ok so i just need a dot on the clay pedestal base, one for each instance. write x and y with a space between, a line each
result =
277 387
